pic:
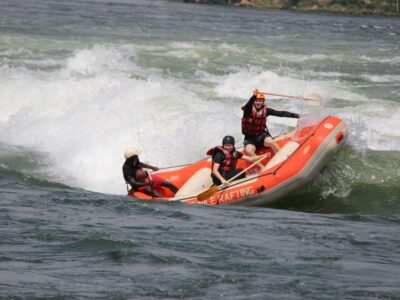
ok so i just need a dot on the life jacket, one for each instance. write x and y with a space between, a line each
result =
256 123
229 163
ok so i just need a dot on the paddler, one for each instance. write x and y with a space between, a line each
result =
131 165
254 123
156 182
224 160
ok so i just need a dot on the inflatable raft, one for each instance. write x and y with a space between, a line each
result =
303 154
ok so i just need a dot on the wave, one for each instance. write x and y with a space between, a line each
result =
371 199
355 182
21 166
391 61
366 182
103 98
394 79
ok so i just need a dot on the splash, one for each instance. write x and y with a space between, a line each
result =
98 100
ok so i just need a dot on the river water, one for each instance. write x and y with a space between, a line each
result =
80 81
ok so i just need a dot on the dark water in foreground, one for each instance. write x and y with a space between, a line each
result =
68 244
82 80
63 243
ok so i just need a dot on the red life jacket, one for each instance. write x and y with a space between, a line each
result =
256 123
229 163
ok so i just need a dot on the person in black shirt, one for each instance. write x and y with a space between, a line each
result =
155 188
131 165
224 160
254 123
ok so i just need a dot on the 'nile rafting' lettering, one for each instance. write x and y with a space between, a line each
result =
230 196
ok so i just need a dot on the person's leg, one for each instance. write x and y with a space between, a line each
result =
151 192
233 173
215 180
269 142
250 149
169 185
250 146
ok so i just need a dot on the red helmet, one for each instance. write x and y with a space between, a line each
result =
260 96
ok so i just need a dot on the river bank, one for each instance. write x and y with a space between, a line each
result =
376 7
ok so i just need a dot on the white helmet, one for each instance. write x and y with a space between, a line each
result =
131 152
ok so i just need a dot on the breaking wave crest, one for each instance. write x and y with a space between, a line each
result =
355 182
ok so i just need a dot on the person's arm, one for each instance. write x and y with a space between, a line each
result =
169 185
147 166
251 158
249 105
151 192
279 113
218 174
136 184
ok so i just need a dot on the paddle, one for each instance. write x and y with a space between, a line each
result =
207 194
315 99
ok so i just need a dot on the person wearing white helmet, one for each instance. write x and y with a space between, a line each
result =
155 189
131 165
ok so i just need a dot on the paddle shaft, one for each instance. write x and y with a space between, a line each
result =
249 167
292 97
207 194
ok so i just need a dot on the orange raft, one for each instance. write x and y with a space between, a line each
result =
304 152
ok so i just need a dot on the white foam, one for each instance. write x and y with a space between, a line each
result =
87 113
372 126
242 83
104 99
373 123
95 60
391 61
305 58
382 78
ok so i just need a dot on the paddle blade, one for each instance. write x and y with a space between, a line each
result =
207 194
313 99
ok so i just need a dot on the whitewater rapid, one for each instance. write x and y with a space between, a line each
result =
81 102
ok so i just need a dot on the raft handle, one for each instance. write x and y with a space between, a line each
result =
339 137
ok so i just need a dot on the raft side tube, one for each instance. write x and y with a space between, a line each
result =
199 182
323 154
283 154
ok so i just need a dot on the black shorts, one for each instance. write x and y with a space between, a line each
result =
228 175
257 141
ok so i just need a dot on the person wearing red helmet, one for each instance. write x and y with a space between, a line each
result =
254 123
